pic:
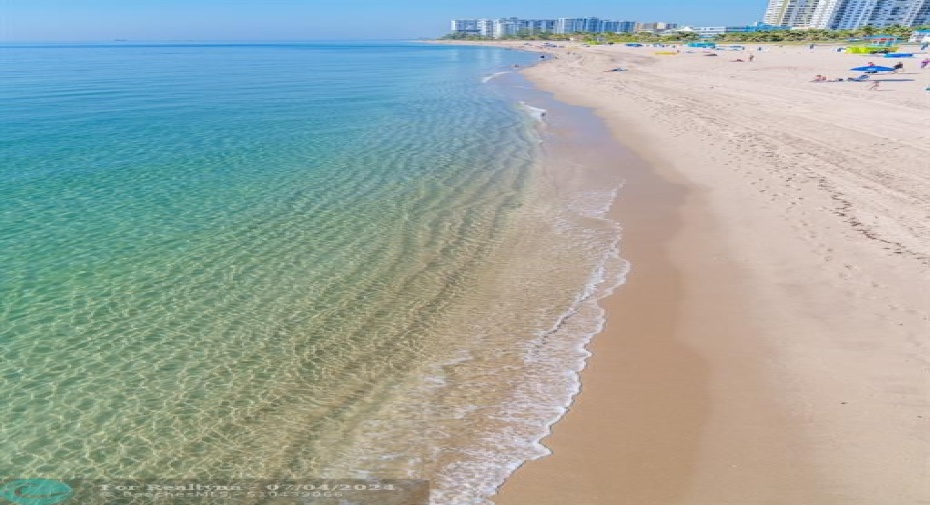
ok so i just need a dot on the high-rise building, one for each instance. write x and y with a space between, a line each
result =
610 26
513 26
655 27
506 26
486 27
503 27
852 14
469 26
570 25
626 26
593 25
793 13
898 12
922 16
539 25
841 14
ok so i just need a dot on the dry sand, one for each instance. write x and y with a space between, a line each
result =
771 345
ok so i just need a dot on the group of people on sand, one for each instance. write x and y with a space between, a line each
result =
898 67
823 78
873 86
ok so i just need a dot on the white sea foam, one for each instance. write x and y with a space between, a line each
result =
353 272
541 372
493 76
470 420
554 359
596 203
535 112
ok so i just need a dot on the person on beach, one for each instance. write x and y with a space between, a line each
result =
751 57
874 86
924 63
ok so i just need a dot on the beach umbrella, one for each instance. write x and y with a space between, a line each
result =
871 69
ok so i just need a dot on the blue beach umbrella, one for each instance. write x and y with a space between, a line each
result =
871 69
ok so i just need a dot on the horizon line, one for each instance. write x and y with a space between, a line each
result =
117 41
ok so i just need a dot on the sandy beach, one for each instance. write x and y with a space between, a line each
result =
770 346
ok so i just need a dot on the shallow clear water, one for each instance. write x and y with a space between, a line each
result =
333 260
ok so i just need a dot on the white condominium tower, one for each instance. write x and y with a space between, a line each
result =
852 14
793 13
900 12
847 14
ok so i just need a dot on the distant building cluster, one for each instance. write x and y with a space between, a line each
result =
502 27
780 15
713 31
847 14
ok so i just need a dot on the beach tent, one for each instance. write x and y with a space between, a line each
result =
875 44
882 40
871 69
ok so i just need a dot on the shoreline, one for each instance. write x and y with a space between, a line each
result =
766 347
636 360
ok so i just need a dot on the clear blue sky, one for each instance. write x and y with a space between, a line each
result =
86 20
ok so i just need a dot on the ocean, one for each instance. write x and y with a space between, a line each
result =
328 260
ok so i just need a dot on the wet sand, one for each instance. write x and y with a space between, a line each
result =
635 434
770 344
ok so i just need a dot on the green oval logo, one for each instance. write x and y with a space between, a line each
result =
36 491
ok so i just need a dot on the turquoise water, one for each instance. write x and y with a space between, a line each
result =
285 260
